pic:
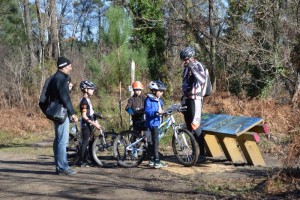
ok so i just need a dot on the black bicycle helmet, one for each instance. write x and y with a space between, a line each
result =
187 53
157 85
87 85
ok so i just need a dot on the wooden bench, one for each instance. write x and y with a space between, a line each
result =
233 137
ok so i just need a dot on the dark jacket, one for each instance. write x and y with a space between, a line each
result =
136 102
59 91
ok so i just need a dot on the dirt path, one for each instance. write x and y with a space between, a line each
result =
26 176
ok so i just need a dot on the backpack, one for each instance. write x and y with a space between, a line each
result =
207 88
44 97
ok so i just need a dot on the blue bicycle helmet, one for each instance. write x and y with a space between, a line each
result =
87 85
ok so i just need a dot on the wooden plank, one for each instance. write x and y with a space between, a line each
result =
231 150
249 136
251 153
213 146
260 128
226 124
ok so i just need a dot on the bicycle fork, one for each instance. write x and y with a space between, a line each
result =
183 142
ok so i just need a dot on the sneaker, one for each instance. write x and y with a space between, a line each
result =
85 164
151 163
160 165
68 172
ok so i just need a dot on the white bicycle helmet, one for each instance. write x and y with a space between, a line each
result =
157 85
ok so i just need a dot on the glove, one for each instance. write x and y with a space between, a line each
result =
130 111
191 65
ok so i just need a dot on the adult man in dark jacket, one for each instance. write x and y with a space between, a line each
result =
58 90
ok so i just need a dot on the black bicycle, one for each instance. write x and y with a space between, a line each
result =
100 146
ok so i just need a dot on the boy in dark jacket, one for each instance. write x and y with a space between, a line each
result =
135 105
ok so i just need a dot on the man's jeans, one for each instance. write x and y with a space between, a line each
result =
60 145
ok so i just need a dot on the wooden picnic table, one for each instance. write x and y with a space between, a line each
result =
234 137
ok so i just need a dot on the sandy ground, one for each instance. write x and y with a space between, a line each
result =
26 176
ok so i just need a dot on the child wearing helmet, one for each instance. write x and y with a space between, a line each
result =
135 104
87 120
153 110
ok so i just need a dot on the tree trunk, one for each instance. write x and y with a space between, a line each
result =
212 44
297 90
54 42
42 43
32 58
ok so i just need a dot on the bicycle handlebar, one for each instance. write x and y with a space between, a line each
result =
98 116
174 108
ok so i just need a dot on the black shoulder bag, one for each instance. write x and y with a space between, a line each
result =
56 112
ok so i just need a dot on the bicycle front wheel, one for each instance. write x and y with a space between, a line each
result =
185 147
129 149
102 150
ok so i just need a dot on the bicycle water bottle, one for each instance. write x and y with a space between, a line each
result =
134 152
74 129
161 134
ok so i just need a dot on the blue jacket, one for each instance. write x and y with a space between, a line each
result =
151 108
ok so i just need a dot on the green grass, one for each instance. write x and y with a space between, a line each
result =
26 143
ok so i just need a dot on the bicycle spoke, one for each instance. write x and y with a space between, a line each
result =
102 150
185 147
129 149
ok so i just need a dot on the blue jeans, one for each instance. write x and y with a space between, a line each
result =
60 145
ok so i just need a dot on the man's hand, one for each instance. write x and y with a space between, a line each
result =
74 118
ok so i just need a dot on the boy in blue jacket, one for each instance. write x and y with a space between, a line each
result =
154 110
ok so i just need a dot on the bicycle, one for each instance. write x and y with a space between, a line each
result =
130 146
100 148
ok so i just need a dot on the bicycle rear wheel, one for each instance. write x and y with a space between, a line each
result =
73 150
185 147
102 152
129 149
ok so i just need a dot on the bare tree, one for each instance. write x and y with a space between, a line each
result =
54 50
32 57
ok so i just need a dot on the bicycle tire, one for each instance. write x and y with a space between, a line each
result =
73 150
186 154
103 154
128 158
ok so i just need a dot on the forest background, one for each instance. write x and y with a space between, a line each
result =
251 48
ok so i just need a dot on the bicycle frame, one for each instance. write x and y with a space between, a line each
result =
170 121
163 128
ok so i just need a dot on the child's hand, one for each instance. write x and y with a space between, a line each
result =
130 111
160 112
97 125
